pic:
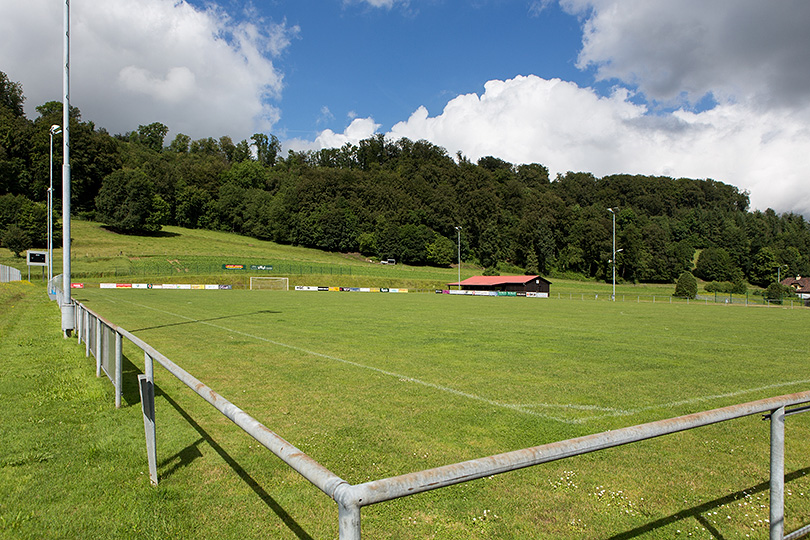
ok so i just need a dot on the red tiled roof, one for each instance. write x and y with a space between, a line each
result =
491 281
801 284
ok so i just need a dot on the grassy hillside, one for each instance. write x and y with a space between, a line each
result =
178 254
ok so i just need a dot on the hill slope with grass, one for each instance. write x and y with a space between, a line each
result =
177 254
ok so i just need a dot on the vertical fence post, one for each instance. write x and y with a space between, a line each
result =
777 525
79 321
98 347
87 333
119 354
146 382
348 522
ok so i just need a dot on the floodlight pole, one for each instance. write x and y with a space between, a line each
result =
55 129
613 260
458 230
68 316
779 272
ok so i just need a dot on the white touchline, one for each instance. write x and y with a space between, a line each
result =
698 399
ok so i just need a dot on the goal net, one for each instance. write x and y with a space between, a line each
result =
270 283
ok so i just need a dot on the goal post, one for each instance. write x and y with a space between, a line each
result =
269 283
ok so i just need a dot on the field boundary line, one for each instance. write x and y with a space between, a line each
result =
521 408
700 399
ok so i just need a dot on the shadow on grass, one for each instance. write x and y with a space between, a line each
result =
195 321
698 511
185 457
147 234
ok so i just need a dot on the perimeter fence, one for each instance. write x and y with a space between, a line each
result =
9 273
103 340
204 267
737 300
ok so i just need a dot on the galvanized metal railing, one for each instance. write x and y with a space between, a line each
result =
351 499
9 273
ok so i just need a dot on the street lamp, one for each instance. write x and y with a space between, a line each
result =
779 273
55 129
613 260
458 230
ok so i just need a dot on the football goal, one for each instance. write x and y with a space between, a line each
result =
270 283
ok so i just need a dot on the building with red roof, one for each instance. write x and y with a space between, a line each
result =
505 283
800 285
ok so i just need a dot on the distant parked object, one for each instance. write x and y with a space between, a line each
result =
388 261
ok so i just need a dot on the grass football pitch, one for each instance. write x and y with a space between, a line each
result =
374 385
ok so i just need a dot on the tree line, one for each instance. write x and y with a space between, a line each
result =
398 199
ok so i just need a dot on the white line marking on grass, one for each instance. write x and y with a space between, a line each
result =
696 400
525 409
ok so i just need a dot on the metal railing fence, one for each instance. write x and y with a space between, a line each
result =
737 300
99 334
9 273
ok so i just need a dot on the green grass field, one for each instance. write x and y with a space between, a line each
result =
373 385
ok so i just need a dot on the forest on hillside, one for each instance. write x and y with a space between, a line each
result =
391 199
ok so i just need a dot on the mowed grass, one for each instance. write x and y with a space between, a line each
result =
373 385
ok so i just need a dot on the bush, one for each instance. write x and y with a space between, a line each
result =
738 286
717 287
686 286
776 292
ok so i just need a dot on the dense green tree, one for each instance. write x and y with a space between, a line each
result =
16 240
715 264
180 144
686 286
267 148
152 136
128 202
441 251
764 267
192 207
11 96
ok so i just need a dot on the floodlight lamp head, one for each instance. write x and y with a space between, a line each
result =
611 210
56 128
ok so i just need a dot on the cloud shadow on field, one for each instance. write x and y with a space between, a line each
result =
195 321
697 512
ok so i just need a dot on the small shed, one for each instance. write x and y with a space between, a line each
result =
505 283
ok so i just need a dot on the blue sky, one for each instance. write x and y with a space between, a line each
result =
694 88
363 61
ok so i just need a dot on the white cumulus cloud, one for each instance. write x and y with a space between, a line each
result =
200 72
565 127
664 58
